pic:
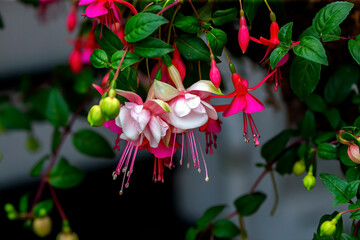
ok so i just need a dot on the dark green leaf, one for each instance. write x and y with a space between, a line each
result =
189 24
217 39
250 9
23 203
284 165
311 49
193 48
304 77
64 175
12 118
355 214
333 115
83 81
333 35
346 236
248 204
129 59
37 169
221 17
339 85
331 16
276 145
152 48
108 40
316 103
353 174
309 32
354 48
357 123
307 125
325 136
285 33
56 137
352 189
142 25
350 137
99 58
91 143
327 151
277 55
225 229
208 216
191 234
205 11
57 110
336 186
153 9
127 79
47 205
344 157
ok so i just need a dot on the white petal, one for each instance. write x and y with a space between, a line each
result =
210 110
192 101
200 109
128 124
190 121
179 107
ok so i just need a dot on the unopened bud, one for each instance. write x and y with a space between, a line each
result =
110 107
71 19
95 116
243 35
299 167
75 61
354 154
215 76
309 181
9 207
12 216
327 228
42 226
67 236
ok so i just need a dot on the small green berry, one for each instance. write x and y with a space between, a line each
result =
95 117
110 107
12 215
299 167
327 228
42 226
309 181
9 207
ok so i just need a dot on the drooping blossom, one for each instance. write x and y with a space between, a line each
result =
211 128
277 77
72 19
215 76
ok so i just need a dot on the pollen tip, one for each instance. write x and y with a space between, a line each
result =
124 169
181 162
126 185
206 179
121 193
188 165
199 170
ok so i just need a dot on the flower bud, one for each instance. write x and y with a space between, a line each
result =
12 215
110 107
341 139
9 207
71 19
243 36
32 144
309 181
235 79
42 226
95 116
75 62
274 32
327 228
299 167
354 154
67 236
215 76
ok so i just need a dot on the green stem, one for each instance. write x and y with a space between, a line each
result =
276 192
268 6
171 23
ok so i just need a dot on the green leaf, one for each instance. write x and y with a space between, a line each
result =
344 157
309 32
324 136
336 186
57 110
276 145
92 144
277 55
56 138
333 115
108 40
128 79
339 85
248 204
250 8
353 174
83 81
350 137
225 229
354 48
47 205
221 17
37 169
284 165
193 48
357 123
355 214
217 39
23 203
316 103
191 234
208 216
352 189
327 151
307 125
142 25
129 59
189 24
285 33
304 77
311 49
346 236
64 175
12 118
205 11
99 59
152 48
333 35
331 16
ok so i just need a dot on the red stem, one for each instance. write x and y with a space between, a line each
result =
167 7
262 81
196 14
230 95
56 201
356 228
129 5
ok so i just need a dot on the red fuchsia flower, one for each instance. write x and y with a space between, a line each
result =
215 76
277 77
243 36
71 19
138 121
106 11
211 128
246 102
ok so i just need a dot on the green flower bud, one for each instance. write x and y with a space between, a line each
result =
327 228
9 207
67 236
12 215
32 144
110 107
42 212
42 226
299 167
95 116
309 181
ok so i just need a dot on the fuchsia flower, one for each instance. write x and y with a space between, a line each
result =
243 36
211 128
71 19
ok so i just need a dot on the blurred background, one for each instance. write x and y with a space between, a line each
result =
33 44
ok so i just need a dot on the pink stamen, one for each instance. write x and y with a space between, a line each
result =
172 150
182 148
202 155
197 155
132 163
191 149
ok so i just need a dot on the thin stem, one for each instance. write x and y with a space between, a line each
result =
230 95
351 210
199 70
148 70
356 228
171 23
196 14
273 180
262 81
148 6
268 6
242 228
227 56
258 180
121 60
57 203
167 7
241 8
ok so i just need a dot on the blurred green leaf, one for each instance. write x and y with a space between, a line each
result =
83 81
208 216
352 189
47 205
353 174
276 145
324 136
64 175
327 151
23 203
193 48
344 157
225 229
189 24
354 48
191 234
250 9
333 115
57 110
248 204
152 48
285 33
12 118
284 165
221 17
37 168
307 125
315 103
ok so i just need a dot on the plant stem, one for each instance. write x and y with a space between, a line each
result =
356 228
273 180
268 6
242 228
57 203
227 56
121 60
172 22
167 7
196 13
262 81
